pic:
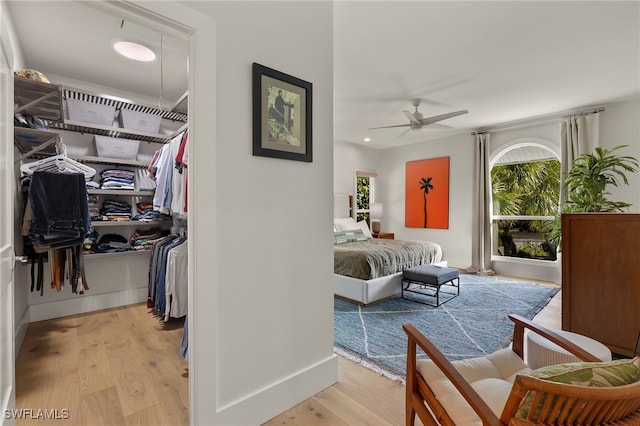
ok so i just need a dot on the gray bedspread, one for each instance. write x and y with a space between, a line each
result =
375 258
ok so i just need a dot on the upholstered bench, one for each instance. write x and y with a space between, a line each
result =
427 280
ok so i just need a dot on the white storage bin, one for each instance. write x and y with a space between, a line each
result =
88 112
123 149
141 121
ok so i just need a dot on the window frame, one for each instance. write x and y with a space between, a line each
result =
495 239
372 176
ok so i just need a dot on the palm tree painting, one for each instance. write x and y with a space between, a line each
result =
425 185
427 177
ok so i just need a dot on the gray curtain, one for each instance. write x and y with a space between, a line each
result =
481 252
579 134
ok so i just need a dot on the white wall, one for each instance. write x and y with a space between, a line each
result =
620 125
455 241
349 157
264 268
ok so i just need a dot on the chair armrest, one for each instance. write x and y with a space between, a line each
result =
522 323
465 389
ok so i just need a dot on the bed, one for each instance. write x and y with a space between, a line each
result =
369 270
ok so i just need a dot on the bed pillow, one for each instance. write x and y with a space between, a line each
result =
340 237
362 225
343 223
619 372
365 228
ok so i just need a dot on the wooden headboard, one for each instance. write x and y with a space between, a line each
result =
342 205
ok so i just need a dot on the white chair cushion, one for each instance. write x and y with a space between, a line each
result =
491 376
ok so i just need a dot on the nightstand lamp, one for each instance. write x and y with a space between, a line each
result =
376 214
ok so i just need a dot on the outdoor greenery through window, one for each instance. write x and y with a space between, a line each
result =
364 194
526 190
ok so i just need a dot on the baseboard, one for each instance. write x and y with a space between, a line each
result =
21 332
273 400
85 303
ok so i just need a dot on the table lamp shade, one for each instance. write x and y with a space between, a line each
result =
376 213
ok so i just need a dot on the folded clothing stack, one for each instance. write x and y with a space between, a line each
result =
146 212
144 239
117 179
115 210
112 243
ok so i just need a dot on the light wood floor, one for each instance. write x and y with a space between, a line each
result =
114 367
121 367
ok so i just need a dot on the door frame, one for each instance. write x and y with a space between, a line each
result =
7 254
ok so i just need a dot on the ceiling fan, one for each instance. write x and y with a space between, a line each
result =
416 121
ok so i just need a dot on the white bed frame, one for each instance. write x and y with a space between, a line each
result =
360 291
366 292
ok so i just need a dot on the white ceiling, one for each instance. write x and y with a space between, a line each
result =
502 61
75 39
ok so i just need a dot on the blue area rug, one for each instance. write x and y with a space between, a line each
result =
472 324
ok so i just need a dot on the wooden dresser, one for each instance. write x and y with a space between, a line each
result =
601 277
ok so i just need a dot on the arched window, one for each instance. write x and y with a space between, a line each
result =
525 183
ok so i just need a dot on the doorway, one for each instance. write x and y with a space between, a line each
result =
176 26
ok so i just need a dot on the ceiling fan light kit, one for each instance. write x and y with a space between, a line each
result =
417 121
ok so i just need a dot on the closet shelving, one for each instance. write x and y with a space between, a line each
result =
120 192
111 131
181 105
47 101
41 100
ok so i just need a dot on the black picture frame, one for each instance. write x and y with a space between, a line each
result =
282 118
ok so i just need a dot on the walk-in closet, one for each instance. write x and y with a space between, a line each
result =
101 156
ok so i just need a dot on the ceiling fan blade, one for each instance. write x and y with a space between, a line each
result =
404 133
388 127
436 118
411 118
433 126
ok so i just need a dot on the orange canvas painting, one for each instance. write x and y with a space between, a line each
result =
427 193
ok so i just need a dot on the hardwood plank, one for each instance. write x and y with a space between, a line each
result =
101 408
56 401
155 415
133 384
310 412
160 342
52 347
101 327
384 397
348 409
95 369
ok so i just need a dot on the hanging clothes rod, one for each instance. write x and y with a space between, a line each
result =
536 120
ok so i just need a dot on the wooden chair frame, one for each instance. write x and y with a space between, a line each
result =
562 404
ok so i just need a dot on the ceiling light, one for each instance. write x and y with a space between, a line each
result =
367 139
134 51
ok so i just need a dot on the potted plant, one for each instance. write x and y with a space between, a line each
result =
587 181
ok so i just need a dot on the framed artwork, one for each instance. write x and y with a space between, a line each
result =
427 193
281 115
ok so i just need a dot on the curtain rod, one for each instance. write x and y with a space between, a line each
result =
536 120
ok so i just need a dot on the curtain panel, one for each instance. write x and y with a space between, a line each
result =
481 251
579 134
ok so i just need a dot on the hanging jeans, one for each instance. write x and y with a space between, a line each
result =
60 209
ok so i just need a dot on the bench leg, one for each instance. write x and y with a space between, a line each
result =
405 284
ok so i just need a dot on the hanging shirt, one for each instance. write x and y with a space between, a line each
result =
176 282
